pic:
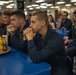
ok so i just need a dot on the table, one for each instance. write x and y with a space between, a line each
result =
62 33
16 63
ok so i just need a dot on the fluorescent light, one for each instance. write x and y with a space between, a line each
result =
52 7
60 2
49 4
1 4
12 4
8 6
74 3
10 1
28 6
43 7
4 2
68 5
73 0
38 1
35 5
43 4
64 9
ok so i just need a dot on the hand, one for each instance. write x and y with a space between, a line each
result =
10 29
28 33
66 47
65 37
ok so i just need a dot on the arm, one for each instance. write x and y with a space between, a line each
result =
51 48
18 43
59 22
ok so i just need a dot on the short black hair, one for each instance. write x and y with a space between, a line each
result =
66 13
41 15
74 12
7 12
19 13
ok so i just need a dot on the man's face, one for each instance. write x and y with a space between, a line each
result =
64 16
15 21
36 25
6 19
27 17
74 17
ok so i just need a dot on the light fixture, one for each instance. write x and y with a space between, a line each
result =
73 0
1 4
52 7
49 4
12 4
64 9
68 5
74 3
35 5
8 6
43 4
61 2
38 1
28 6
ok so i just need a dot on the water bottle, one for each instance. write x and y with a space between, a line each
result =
63 29
1 43
4 43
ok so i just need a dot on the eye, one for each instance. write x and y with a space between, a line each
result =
33 22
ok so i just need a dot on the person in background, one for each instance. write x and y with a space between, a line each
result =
28 18
6 19
48 46
59 14
51 22
71 47
15 31
2 26
64 21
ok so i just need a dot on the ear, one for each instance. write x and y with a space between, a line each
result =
21 19
43 23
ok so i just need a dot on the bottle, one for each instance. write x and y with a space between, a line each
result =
63 29
1 43
4 43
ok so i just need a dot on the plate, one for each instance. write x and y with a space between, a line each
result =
3 52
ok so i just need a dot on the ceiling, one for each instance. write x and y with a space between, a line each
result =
30 2
53 2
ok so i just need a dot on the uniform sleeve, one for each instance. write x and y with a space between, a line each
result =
51 48
18 43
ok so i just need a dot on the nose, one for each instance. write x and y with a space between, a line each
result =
30 24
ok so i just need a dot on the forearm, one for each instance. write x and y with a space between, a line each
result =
59 25
18 43
40 54
35 55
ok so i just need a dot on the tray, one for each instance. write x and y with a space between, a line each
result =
4 52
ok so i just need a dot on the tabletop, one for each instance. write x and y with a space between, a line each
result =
62 33
17 63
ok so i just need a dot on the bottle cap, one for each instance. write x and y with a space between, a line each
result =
3 37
